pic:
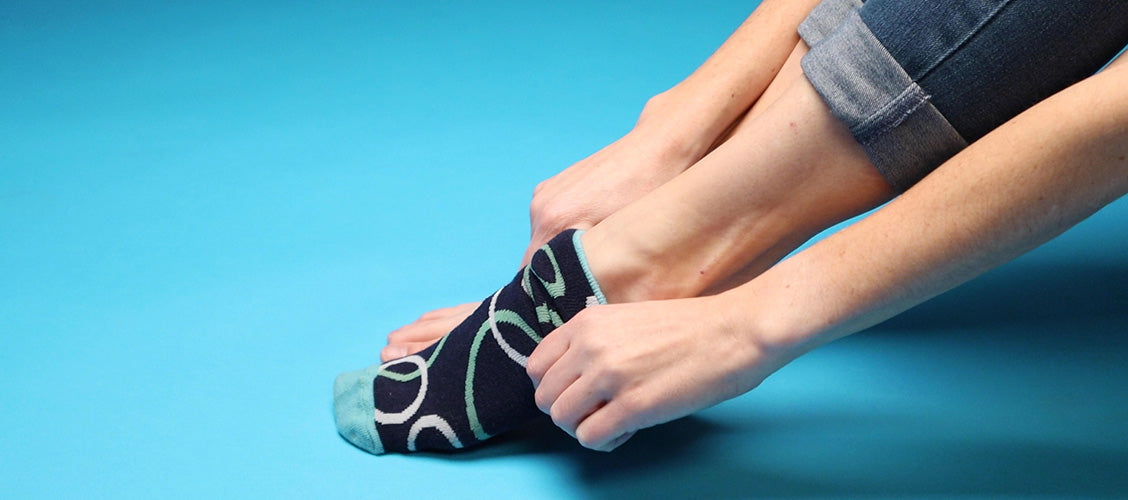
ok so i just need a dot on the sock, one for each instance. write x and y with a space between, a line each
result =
471 385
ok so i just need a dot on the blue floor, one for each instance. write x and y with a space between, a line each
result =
209 210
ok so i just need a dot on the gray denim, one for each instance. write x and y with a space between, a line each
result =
917 80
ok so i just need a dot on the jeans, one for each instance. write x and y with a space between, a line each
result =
917 80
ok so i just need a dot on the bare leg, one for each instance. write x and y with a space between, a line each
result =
1015 188
786 174
772 196
433 325
789 171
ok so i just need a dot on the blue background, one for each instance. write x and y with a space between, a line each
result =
208 210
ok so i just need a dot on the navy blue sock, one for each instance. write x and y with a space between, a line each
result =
471 385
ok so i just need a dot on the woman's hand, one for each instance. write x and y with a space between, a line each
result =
661 145
614 369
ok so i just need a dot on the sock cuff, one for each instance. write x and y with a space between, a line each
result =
582 257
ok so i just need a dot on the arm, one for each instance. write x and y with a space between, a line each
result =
1037 175
645 363
675 129
710 99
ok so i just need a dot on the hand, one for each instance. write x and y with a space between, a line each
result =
579 197
660 146
614 369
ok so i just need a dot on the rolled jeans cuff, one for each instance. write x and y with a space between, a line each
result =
903 134
824 18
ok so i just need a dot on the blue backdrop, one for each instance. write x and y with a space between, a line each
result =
208 210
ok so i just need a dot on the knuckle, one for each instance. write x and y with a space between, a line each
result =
631 404
550 218
540 188
610 374
539 205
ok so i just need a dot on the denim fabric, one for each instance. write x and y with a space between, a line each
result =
989 60
889 114
916 80
824 18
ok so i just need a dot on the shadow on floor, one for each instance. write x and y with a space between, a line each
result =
1025 294
892 460
850 456
808 454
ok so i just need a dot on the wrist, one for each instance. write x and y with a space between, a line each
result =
768 317
753 340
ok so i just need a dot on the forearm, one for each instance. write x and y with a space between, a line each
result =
1016 188
700 108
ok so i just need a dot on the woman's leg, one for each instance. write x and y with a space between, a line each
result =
597 371
785 174
433 325
1023 183
917 81
790 172
676 128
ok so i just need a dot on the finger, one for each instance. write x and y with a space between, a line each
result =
528 257
396 351
579 400
601 429
538 239
615 443
546 354
446 312
425 330
557 380
542 234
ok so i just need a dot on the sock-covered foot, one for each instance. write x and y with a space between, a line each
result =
471 385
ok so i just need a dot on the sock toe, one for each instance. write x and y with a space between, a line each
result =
354 409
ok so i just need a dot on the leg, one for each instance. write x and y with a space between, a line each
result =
782 176
769 191
433 325
677 127
954 80
916 81
601 385
471 384
753 199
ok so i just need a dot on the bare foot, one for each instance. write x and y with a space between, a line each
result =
578 198
430 327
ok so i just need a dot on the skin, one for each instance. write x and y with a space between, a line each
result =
783 175
675 130
785 170
1021 185
777 181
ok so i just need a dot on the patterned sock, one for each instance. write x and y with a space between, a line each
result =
471 385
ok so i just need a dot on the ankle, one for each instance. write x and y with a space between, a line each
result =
640 262
631 271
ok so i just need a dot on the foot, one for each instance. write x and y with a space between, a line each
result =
578 198
472 384
428 329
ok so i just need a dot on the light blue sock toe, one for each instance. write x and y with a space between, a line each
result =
354 409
